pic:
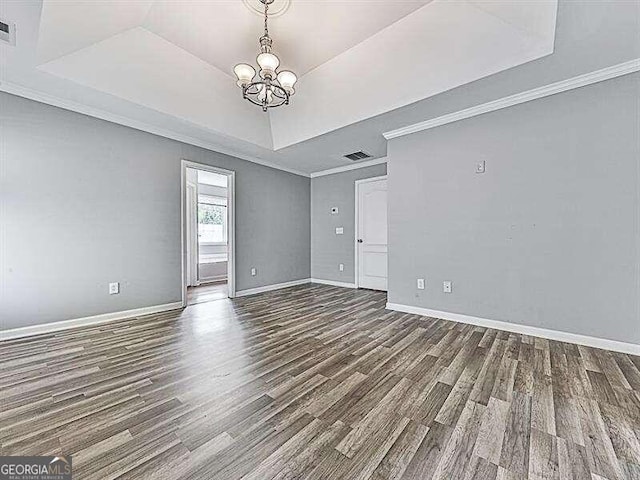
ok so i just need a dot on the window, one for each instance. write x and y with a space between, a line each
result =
212 220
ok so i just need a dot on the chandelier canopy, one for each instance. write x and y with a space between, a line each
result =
272 88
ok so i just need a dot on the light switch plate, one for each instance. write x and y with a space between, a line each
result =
341 267
114 288
339 230
334 211
253 271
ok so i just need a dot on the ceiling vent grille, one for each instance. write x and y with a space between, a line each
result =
7 32
355 156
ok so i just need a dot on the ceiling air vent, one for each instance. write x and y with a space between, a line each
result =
355 156
7 32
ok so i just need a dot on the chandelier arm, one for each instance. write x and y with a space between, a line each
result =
269 105
279 95
268 91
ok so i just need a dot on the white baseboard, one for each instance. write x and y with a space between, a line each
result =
333 283
85 321
268 288
603 343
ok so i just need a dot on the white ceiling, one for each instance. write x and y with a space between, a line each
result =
307 34
167 65
439 47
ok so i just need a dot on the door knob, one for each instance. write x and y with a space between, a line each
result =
359 240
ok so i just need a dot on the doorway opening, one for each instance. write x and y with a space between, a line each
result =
208 233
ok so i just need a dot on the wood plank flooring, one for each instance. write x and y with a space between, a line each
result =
318 382
207 293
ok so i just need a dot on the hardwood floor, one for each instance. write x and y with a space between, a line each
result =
318 382
207 293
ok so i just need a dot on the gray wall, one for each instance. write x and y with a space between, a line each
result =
590 35
328 250
85 202
549 236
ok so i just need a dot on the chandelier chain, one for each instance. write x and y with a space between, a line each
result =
266 8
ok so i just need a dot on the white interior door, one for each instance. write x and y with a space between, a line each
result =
372 234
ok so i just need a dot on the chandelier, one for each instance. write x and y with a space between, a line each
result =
272 88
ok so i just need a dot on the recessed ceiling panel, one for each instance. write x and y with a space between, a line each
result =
309 33
67 26
167 65
139 66
533 18
437 48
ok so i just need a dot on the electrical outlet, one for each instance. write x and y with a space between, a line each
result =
339 230
114 288
420 284
481 167
446 287
253 271
341 267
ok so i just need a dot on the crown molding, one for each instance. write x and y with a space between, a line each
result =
596 76
59 102
346 168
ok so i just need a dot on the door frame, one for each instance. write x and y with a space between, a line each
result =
231 227
357 218
191 244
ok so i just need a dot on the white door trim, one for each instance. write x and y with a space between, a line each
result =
192 242
355 238
231 234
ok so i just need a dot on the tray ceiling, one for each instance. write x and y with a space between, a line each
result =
355 59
